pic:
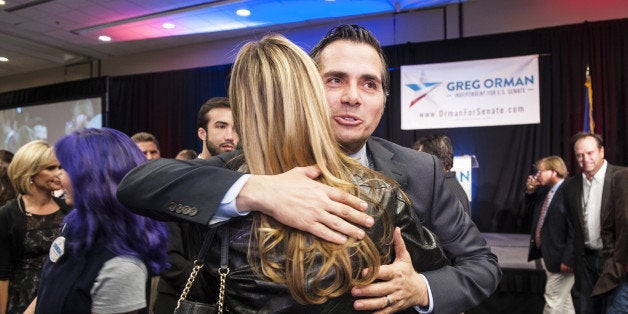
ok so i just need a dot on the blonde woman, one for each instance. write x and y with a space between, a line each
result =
279 109
28 224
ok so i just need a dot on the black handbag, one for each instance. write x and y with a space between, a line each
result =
190 307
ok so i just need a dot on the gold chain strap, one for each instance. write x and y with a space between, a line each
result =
223 271
190 282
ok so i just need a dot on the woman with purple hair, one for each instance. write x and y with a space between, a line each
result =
103 261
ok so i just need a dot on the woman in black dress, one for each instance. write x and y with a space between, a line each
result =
28 224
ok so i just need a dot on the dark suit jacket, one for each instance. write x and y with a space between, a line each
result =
615 235
475 272
179 190
573 201
556 233
458 191
168 186
184 243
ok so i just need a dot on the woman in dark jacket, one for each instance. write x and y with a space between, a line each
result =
103 260
279 106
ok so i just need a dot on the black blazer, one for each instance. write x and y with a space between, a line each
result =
573 202
178 190
615 236
557 231
458 191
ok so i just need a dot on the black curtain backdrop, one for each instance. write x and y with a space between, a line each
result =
96 87
166 104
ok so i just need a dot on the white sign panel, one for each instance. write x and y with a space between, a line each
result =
502 91
462 167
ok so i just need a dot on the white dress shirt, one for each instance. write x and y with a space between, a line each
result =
592 206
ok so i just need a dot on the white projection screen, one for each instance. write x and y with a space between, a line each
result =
47 122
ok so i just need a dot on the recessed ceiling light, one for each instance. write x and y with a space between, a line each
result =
104 38
167 25
2 2
4 59
243 12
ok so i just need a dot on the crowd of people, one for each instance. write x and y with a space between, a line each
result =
359 224
579 230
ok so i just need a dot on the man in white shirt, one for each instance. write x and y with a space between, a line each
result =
586 198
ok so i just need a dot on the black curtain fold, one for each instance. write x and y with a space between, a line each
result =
52 93
165 104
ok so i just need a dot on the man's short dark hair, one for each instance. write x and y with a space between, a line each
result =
212 103
356 34
187 154
439 146
580 135
145 137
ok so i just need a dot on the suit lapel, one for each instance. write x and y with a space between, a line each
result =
384 163
606 189
576 198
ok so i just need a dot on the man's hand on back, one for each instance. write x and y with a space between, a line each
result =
294 199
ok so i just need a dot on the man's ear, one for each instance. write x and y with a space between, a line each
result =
201 133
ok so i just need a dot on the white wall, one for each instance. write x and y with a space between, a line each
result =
480 17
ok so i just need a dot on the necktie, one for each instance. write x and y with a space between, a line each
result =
539 224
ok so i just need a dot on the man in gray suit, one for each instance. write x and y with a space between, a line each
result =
355 75
587 198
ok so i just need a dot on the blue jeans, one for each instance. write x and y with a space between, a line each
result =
618 300
589 274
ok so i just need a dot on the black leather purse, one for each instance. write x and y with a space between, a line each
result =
190 307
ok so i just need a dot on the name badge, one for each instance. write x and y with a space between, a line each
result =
57 249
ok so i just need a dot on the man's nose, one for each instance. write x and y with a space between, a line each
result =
351 95
229 134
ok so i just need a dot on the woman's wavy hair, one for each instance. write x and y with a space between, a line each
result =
279 105
28 161
96 160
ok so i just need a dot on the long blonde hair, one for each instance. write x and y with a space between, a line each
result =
279 107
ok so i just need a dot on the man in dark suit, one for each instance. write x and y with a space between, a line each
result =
613 280
587 199
355 75
551 234
353 67
216 132
440 146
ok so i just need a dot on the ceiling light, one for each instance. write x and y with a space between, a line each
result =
4 59
2 2
104 38
167 25
243 12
